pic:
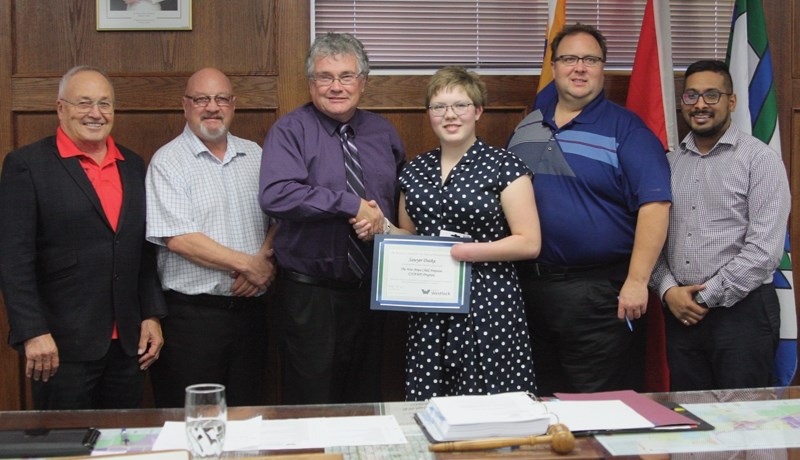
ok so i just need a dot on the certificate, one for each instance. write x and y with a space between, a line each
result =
416 273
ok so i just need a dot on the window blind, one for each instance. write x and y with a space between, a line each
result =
510 34
428 34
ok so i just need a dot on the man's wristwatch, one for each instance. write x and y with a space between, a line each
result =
387 226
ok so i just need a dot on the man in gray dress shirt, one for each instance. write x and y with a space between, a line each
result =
330 340
727 228
215 257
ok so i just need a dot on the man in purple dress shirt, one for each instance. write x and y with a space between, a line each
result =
329 339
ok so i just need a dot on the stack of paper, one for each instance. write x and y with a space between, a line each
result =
451 418
300 433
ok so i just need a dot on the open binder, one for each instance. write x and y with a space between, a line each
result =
666 417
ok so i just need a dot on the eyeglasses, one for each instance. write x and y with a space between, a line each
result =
84 107
572 60
324 80
222 100
459 108
711 96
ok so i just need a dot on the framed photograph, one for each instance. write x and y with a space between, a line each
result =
144 14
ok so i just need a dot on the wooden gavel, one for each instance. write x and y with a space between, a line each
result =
560 438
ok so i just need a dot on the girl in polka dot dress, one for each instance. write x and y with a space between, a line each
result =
468 187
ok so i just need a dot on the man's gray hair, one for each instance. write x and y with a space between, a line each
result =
333 43
62 85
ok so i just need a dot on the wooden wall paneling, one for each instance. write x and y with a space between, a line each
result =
235 35
293 40
10 376
6 57
783 21
414 129
413 125
779 28
401 99
794 41
403 92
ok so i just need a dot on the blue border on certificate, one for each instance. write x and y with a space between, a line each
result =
379 301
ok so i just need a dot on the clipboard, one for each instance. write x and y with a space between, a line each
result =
48 442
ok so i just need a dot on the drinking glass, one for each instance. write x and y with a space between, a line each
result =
206 415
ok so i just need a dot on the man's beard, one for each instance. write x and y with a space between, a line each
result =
213 134
713 128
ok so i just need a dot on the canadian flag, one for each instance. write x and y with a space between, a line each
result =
651 95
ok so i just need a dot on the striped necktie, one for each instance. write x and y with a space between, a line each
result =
357 250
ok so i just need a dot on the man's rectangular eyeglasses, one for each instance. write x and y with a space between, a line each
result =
711 96
459 108
327 80
83 107
571 60
222 100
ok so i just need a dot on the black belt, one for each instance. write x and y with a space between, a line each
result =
539 269
322 282
215 301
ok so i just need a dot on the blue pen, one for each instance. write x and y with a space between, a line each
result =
628 320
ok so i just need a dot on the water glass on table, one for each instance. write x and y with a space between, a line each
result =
206 415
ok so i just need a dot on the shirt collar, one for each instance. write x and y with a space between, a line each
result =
468 157
198 147
589 115
330 125
68 149
729 138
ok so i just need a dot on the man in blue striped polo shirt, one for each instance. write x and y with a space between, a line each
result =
603 195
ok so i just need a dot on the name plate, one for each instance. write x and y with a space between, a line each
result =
417 274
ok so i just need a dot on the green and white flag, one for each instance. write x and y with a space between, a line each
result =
750 63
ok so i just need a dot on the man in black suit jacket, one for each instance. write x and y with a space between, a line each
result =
77 275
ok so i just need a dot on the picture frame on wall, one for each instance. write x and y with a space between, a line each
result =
144 15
